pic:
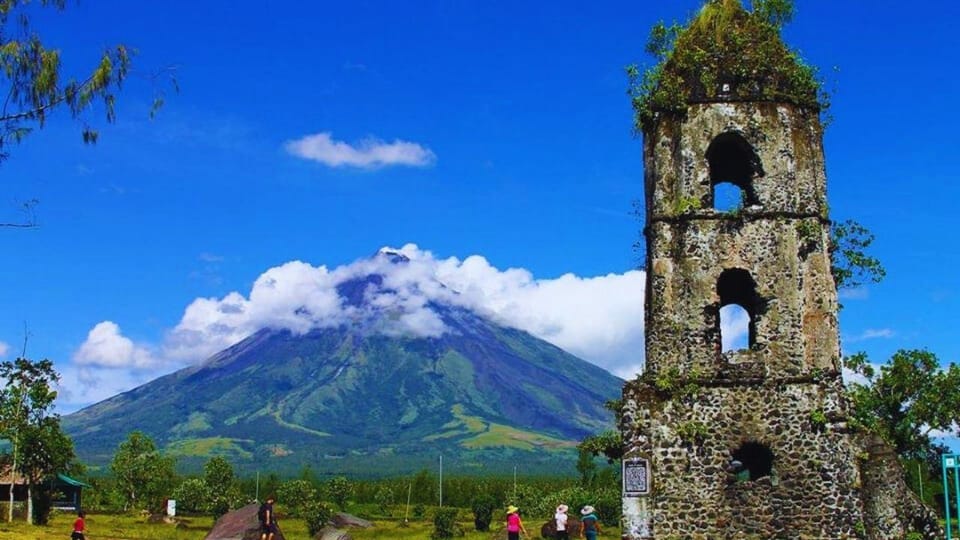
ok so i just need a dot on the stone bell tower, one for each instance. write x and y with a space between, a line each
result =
747 443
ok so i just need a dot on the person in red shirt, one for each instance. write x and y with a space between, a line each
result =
79 526
514 524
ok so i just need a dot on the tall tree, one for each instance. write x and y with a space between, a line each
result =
218 476
37 445
34 85
906 400
143 474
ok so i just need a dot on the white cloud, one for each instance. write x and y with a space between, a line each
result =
871 333
4 349
856 293
81 385
106 347
369 153
597 318
734 327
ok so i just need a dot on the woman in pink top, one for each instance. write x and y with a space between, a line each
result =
514 525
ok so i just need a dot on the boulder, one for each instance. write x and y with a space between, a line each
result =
240 524
332 533
549 529
343 520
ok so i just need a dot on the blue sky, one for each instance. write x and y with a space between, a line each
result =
510 134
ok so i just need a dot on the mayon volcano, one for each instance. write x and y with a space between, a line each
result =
398 379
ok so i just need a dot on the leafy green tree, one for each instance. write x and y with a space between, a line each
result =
483 505
296 495
46 451
424 487
143 474
38 446
317 514
585 464
35 84
193 495
851 265
384 498
906 400
218 476
339 490
445 523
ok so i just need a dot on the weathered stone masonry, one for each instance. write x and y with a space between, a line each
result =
777 407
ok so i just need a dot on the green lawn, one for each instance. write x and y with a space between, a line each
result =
129 527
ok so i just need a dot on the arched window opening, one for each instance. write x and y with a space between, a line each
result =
751 461
739 307
734 328
733 166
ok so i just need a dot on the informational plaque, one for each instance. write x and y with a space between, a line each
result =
636 477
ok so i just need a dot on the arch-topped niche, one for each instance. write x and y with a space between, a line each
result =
736 286
734 163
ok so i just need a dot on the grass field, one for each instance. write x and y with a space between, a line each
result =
129 527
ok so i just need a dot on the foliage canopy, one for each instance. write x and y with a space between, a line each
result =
725 53
906 400
142 473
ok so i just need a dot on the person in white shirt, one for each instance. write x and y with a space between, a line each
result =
561 519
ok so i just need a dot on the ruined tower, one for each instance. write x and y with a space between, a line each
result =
748 443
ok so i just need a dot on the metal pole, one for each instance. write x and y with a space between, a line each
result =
407 513
441 481
946 495
256 495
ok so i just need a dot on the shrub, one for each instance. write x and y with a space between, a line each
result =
384 498
419 511
317 514
445 523
192 496
483 505
296 495
339 490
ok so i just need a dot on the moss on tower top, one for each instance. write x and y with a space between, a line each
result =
725 53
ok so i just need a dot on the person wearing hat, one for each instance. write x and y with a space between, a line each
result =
590 527
514 524
561 520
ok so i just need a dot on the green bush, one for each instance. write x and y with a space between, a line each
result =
339 490
384 498
483 505
419 511
316 513
192 496
295 495
445 523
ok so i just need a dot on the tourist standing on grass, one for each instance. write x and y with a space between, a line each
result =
268 521
561 520
79 526
590 525
514 524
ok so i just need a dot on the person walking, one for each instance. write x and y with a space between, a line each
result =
79 526
561 520
268 521
514 523
590 525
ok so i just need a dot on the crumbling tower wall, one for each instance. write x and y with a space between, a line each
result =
753 441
